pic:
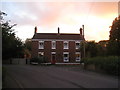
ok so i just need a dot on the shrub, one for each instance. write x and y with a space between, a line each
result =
39 60
109 64
34 59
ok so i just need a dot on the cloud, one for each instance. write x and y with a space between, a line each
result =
69 16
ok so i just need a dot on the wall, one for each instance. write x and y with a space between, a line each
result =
21 61
59 50
34 48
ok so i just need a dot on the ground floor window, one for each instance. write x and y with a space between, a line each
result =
66 56
77 54
40 54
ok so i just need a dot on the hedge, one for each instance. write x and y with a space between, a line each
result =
39 59
110 64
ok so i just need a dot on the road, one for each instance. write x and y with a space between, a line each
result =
33 76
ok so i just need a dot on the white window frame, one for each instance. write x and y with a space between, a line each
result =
53 52
66 59
53 42
41 47
66 47
76 45
77 59
42 53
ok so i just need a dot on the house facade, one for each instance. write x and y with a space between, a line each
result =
57 47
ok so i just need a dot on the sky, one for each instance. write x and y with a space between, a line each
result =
96 17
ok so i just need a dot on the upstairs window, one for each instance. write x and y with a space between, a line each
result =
41 44
53 45
66 45
77 45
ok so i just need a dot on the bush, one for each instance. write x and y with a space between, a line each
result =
109 64
34 59
39 60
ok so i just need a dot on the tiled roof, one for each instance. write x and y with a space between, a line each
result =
61 36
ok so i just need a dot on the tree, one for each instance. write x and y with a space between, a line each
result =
90 48
113 46
28 48
101 47
11 45
28 44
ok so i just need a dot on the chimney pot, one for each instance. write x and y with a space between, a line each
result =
58 30
35 30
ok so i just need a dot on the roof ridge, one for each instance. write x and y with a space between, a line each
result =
60 33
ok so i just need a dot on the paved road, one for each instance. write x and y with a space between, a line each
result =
30 76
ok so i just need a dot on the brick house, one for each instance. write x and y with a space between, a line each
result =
57 47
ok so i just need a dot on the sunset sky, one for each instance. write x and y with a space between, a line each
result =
69 16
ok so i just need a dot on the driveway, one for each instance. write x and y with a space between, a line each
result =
35 76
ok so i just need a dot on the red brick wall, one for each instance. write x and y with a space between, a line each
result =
72 51
47 50
59 51
34 48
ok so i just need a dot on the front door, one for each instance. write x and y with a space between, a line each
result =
53 58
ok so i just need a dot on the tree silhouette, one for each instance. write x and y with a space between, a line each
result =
114 38
28 48
11 45
90 48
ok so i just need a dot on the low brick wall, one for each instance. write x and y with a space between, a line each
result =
18 61
90 67
21 61
93 67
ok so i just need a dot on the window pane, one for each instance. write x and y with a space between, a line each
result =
77 56
77 45
53 45
65 45
41 45
40 54
66 57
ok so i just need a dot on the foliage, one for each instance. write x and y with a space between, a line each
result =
28 48
39 60
110 63
27 53
11 45
90 48
35 59
113 46
28 44
101 48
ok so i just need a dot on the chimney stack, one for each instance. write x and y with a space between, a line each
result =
58 30
35 30
81 31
